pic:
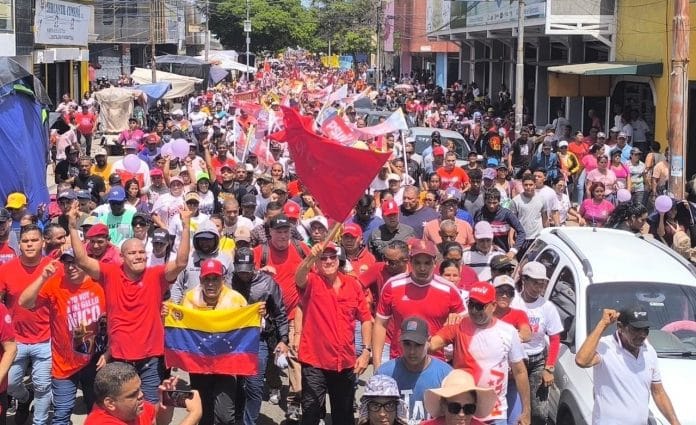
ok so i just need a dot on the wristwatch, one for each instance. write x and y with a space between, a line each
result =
368 349
550 369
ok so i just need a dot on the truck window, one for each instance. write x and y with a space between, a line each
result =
563 297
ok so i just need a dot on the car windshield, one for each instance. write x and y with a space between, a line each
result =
423 141
671 312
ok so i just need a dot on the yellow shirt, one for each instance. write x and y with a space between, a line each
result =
226 245
104 174
229 299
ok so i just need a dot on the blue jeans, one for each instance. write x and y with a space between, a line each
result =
64 391
580 187
40 357
253 387
514 403
152 372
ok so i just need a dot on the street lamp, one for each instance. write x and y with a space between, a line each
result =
247 31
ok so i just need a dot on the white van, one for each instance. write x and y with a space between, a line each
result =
591 269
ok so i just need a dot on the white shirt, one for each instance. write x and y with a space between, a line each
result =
176 227
480 262
622 383
550 199
543 319
640 127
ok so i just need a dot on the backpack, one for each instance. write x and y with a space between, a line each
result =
265 252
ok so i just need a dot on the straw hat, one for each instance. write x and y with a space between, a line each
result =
459 382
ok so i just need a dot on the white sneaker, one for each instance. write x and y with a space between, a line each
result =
274 398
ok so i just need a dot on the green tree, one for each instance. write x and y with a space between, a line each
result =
350 25
275 24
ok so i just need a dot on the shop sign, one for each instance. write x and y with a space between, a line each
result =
61 23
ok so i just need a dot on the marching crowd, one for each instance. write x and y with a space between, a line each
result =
418 281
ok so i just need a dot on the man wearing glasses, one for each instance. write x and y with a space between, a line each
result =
420 293
487 348
331 303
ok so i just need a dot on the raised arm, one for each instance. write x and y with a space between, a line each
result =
587 354
28 297
173 268
89 265
306 265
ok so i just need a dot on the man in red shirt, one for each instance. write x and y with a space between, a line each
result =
31 328
331 303
99 245
76 306
134 294
86 126
356 252
279 259
119 400
451 175
421 293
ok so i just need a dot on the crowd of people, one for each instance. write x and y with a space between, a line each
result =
417 282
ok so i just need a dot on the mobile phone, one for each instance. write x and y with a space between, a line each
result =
176 398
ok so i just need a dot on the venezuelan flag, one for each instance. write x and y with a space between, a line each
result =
213 341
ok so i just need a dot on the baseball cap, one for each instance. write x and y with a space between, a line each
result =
280 187
451 194
601 135
67 194
4 215
83 194
500 262
438 151
635 316
176 179
212 267
636 150
98 230
316 219
140 217
90 220
389 208
248 200
202 175
280 221
331 246
114 179
353 230
177 112
68 253
192 196
562 144
490 174
116 194
242 233
393 176
492 162
100 151
483 230
420 246
503 280
534 270
483 292
153 137
291 209
414 329
265 178
160 235
156 172
244 260
621 135
615 129
16 200
249 168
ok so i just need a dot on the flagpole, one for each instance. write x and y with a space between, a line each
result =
403 146
248 142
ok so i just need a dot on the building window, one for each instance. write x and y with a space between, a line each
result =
6 16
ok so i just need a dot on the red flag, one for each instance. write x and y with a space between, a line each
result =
336 175
335 128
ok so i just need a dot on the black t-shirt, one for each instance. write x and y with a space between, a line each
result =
93 183
65 170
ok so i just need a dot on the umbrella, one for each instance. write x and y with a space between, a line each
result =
403 87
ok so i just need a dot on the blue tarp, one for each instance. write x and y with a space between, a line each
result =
155 91
217 74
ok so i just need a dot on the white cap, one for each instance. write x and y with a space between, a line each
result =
503 280
177 112
535 270
249 168
483 230
393 176
601 134
621 134
562 143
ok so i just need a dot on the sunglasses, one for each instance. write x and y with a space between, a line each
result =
475 305
328 257
503 291
455 408
394 262
390 406
139 224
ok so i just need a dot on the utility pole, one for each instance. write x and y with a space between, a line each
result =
153 31
678 93
207 29
378 61
247 31
519 70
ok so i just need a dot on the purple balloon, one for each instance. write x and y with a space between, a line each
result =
663 203
167 150
623 195
180 148
131 163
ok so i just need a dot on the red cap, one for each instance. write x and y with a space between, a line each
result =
389 208
353 230
331 246
483 292
153 137
212 267
438 151
156 172
421 246
98 230
291 209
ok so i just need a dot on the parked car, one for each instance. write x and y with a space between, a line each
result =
422 137
372 116
591 269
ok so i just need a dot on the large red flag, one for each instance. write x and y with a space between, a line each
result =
336 175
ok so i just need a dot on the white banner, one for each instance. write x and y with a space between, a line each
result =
61 23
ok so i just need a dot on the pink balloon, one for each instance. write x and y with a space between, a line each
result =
623 195
167 150
131 163
180 148
663 203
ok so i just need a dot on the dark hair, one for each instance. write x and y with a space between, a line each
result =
273 206
397 245
475 174
491 193
595 185
623 212
110 379
594 148
526 177
130 182
447 263
556 180
30 228
365 201
48 230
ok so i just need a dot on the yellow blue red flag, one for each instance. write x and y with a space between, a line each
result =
213 341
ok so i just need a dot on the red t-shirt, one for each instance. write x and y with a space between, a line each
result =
516 318
328 322
6 253
401 298
30 326
217 166
74 311
85 122
134 324
362 262
285 263
455 178
99 416
6 334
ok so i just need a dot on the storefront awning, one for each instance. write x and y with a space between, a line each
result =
609 68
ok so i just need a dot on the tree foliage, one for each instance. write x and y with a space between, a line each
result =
349 24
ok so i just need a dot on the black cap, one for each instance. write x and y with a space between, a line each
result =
244 260
280 221
67 194
501 262
140 217
83 194
114 179
635 316
248 200
160 235
4 215
414 329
